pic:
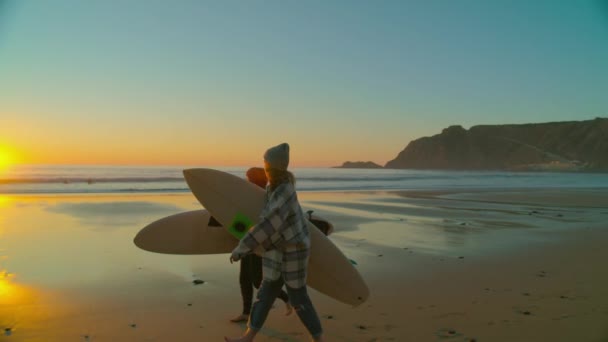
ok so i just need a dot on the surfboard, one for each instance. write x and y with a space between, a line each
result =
195 232
226 196
191 232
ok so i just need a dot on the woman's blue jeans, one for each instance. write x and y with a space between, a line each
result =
298 298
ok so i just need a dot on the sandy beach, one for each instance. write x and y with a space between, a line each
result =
492 265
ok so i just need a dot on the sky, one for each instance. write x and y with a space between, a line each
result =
218 82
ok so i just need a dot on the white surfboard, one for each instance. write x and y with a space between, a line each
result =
226 195
194 232
191 232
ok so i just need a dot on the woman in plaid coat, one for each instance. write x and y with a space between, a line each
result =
250 275
283 233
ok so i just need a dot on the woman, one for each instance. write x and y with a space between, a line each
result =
250 274
284 235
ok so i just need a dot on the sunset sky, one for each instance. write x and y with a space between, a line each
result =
218 82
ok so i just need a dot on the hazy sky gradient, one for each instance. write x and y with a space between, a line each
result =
216 83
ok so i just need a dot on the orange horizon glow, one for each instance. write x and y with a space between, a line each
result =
7 157
111 155
74 145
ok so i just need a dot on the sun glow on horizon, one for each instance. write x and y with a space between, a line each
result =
7 158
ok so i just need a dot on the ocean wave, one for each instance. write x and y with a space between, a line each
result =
18 191
73 180
320 179
90 180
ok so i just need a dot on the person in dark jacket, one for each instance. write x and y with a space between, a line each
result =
250 275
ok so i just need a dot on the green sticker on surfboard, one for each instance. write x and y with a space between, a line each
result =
239 226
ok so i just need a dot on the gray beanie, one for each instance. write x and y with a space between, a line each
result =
278 157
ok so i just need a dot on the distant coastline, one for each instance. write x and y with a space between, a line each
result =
569 146
358 165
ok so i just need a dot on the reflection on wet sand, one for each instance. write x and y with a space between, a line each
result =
8 291
112 214
21 306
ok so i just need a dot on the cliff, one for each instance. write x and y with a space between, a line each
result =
553 146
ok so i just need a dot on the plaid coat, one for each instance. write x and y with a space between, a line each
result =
283 233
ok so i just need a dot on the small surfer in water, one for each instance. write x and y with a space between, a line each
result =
250 275
284 235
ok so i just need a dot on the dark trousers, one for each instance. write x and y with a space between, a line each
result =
250 277
299 300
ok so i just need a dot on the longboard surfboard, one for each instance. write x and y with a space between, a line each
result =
195 233
190 232
227 196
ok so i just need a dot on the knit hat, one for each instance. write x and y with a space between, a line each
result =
278 157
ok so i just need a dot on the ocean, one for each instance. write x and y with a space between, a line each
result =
76 179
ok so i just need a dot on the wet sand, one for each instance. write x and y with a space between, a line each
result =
498 265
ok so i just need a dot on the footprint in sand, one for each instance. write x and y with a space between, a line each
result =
449 333
526 310
452 334
361 327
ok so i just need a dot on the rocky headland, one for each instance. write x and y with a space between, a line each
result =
567 146
552 146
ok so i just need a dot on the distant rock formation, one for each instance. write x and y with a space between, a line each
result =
553 146
359 165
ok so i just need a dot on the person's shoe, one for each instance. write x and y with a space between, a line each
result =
239 318
288 309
